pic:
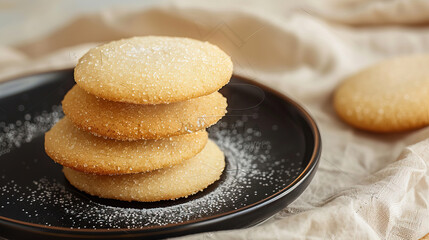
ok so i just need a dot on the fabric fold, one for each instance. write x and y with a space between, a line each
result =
368 186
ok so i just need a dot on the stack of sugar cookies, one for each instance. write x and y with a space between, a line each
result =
135 122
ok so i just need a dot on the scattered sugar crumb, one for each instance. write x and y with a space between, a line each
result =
12 135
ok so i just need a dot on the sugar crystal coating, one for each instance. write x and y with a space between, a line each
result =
82 151
153 70
181 180
125 121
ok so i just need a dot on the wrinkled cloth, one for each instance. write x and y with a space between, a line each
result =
368 186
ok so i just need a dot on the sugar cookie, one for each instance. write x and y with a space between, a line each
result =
181 180
391 96
125 121
82 151
426 237
153 70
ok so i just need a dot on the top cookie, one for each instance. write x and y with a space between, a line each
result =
391 96
153 70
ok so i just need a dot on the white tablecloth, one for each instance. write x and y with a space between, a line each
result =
368 186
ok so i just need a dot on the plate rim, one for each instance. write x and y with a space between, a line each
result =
306 172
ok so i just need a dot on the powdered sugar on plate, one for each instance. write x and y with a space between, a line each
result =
251 174
13 135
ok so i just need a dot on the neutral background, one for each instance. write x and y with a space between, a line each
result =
368 186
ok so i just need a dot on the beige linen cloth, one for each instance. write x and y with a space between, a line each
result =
368 186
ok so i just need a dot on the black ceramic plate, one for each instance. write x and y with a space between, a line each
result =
271 144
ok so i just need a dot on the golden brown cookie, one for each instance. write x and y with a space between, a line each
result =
126 121
153 70
426 237
391 96
74 148
181 180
